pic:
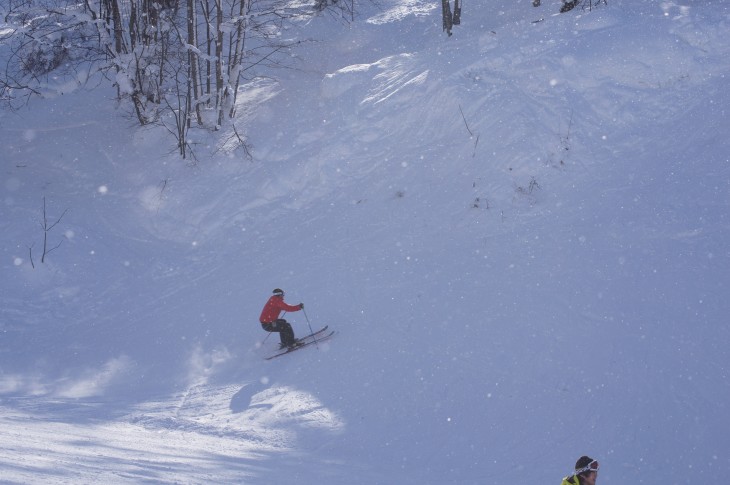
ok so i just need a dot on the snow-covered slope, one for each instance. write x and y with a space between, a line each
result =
519 233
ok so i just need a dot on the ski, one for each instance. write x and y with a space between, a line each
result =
323 338
313 334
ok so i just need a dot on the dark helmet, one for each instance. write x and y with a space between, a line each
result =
585 464
278 292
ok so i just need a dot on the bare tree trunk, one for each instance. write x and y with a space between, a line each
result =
152 21
133 27
568 5
119 47
219 85
209 46
193 87
237 59
448 20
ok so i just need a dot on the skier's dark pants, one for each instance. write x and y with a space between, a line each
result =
286 333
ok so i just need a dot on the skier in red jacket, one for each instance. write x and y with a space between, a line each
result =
271 322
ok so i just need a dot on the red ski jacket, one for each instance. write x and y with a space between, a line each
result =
274 307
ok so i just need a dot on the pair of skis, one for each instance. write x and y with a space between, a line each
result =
320 335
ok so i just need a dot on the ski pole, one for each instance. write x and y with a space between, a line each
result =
310 328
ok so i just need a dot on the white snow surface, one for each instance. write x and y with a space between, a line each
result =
520 234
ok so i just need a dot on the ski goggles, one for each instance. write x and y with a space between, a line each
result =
591 467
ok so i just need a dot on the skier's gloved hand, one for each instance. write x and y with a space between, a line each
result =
301 305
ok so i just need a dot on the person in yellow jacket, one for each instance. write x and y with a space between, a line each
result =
586 472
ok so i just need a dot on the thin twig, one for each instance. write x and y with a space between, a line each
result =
465 123
46 229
